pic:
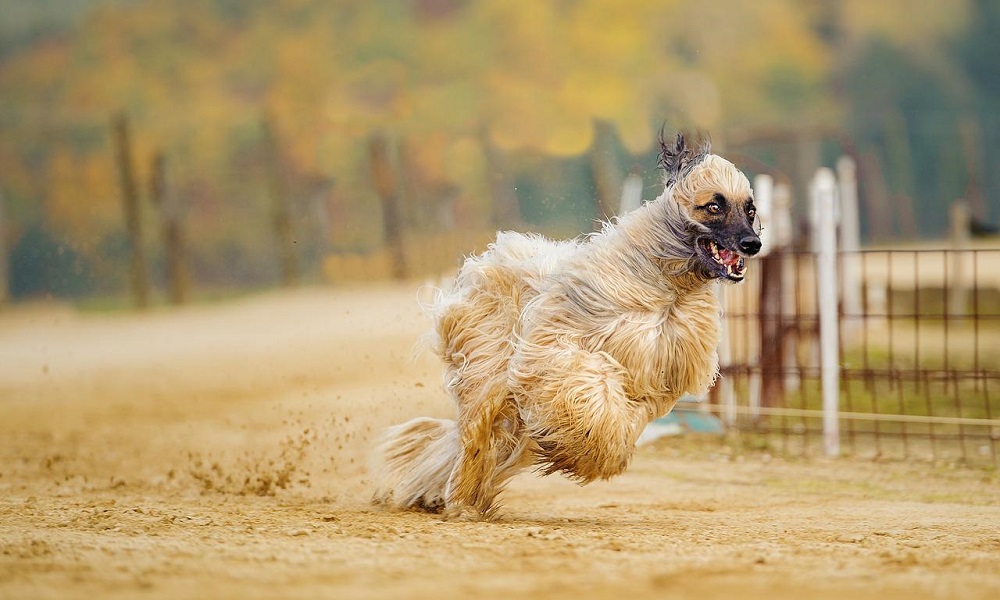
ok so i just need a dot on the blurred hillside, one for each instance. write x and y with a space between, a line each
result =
490 114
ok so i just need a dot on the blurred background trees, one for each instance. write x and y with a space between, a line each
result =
493 114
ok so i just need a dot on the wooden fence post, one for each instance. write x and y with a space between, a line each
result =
172 229
607 179
506 212
386 186
825 225
281 214
131 208
957 283
969 130
807 159
877 207
4 285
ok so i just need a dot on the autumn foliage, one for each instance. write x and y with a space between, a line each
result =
467 92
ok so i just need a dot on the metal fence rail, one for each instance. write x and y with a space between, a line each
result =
918 356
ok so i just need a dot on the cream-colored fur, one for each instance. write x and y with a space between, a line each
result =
557 354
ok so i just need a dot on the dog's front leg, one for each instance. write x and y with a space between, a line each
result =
577 411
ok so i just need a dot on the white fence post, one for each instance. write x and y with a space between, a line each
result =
825 228
631 194
781 237
850 241
763 198
763 188
727 397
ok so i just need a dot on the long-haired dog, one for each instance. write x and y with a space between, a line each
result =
558 354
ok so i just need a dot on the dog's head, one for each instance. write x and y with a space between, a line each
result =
718 200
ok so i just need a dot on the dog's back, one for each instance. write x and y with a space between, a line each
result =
475 322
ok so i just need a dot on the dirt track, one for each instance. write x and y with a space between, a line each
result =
219 451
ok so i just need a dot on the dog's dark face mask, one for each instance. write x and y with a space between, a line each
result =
730 234
718 201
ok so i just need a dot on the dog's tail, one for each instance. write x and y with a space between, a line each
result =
414 461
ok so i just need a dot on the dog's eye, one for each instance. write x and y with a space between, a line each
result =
751 212
714 208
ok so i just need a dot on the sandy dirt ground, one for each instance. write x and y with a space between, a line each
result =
220 451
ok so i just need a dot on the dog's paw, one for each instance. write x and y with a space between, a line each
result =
461 513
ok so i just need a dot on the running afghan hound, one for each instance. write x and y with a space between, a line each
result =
558 354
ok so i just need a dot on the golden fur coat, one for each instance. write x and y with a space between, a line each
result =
558 353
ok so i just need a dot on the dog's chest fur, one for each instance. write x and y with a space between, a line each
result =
665 341
668 352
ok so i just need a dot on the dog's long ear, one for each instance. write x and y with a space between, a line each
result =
676 158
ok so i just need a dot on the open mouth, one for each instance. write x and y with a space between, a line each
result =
727 263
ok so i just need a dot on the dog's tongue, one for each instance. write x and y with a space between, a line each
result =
727 257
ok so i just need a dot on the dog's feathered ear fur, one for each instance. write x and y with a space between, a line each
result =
676 158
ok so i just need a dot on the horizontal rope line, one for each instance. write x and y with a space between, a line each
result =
858 416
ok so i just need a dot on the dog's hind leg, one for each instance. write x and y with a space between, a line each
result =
493 449
475 328
459 467
574 406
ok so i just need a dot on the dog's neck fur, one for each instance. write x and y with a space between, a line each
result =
653 242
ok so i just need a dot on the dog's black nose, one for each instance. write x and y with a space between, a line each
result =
750 245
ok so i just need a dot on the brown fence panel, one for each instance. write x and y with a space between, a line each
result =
919 376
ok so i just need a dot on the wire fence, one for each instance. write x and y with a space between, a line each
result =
919 354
